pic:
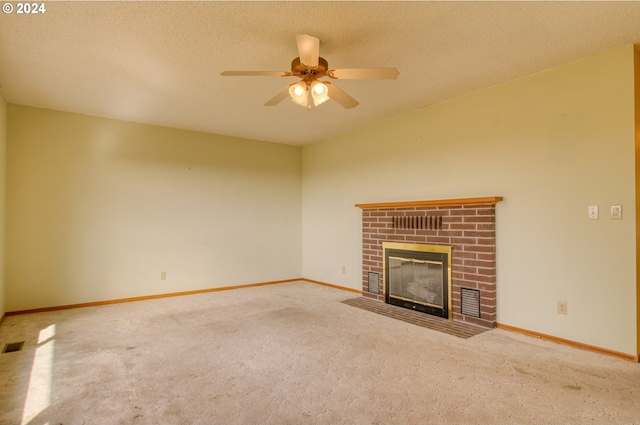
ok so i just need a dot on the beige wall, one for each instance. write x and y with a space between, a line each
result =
98 208
551 144
3 156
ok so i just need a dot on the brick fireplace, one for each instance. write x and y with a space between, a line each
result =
466 225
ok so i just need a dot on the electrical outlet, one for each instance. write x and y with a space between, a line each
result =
593 212
562 307
163 275
344 269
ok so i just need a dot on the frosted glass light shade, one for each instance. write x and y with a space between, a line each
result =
299 93
319 92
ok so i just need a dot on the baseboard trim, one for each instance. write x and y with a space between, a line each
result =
330 285
147 297
570 343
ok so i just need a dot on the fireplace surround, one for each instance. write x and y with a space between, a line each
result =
466 226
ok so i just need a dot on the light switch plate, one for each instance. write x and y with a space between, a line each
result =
593 212
616 212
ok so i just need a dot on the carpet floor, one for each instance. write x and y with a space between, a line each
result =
293 353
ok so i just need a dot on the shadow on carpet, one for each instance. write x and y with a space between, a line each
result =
461 330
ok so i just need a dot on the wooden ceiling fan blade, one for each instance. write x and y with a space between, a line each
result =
364 73
340 96
256 73
279 97
308 49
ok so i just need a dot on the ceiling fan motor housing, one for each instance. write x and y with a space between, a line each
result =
308 73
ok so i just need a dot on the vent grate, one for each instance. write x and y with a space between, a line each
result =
13 346
470 301
428 222
373 283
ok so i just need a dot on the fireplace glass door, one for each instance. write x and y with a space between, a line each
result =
417 280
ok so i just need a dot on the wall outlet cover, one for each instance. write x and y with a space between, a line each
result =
562 307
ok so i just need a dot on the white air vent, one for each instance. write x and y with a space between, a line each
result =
470 300
373 284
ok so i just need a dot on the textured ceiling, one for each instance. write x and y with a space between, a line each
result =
160 62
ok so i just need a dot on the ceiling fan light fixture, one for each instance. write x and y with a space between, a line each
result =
309 66
299 93
319 92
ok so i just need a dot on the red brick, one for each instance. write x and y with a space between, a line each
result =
463 226
480 278
457 260
489 302
451 233
484 310
452 220
427 232
487 241
487 257
463 269
480 263
486 272
479 219
479 234
480 248
463 212
487 288
438 240
466 283
456 275
404 232
377 225
416 239
465 255
490 319
464 241
479 322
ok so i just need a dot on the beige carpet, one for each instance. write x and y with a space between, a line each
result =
293 354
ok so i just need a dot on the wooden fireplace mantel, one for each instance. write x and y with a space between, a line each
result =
489 200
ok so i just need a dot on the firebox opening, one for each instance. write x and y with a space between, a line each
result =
418 277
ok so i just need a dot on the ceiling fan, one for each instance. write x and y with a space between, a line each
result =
310 67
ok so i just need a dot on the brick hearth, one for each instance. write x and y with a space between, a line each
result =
466 225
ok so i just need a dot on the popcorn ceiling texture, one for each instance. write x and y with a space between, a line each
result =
293 353
160 62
